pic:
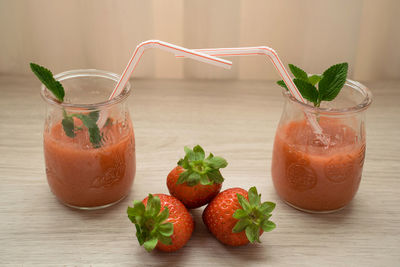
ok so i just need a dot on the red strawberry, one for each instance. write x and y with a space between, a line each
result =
236 217
196 180
161 221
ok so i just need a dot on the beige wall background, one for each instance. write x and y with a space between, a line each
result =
102 34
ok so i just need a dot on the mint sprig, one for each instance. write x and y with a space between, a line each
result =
199 169
89 121
54 86
329 83
150 224
253 216
46 77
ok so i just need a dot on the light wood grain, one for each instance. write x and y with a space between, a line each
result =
233 119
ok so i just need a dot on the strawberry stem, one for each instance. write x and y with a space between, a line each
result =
199 169
253 216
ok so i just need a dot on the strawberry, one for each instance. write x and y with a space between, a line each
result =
196 180
162 222
236 217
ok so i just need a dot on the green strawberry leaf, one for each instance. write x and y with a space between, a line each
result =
137 209
268 226
204 179
165 239
254 197
243 202
193 179
151 225
199 152
199 169
239 214
254 216
215 176
307 90
163 215
241 225
332 81
298 73
153 205
149 245
166 229
183 177
267 207
253 233
217 162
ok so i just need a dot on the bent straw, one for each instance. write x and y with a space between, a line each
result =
175 49
265 50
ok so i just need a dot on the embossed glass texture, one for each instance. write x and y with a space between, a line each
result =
310 175
81 174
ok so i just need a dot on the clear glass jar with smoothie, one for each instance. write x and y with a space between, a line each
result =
88 166
315 175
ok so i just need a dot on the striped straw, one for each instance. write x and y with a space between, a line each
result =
175 49
265 50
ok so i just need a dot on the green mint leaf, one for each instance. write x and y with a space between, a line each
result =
149 245
268 226
94 115
314 79
254 197
253 233
243 202
239 214
240 225
166 229
332 81
307 90
46 77
282 84
68 126
298 73
94 131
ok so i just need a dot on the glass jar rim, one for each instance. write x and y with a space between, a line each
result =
364 104
49 97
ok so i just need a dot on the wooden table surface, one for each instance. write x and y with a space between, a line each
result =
234 119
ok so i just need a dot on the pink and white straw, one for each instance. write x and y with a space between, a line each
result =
175 49
265 50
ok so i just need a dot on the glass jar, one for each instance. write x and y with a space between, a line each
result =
89 144
316 176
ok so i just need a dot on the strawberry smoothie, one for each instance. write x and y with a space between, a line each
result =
311 176
83 176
